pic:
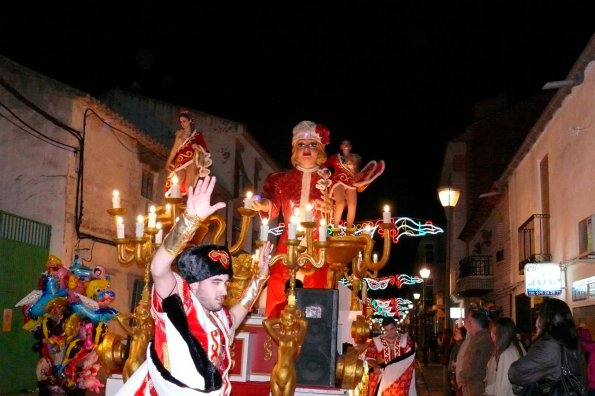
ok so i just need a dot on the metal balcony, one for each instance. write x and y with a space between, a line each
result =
475 277
534 240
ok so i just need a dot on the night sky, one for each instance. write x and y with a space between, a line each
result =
396 78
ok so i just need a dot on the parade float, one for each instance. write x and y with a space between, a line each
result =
353 269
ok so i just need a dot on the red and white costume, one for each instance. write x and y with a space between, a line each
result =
397 379
192 152
344 171
171 366
288 190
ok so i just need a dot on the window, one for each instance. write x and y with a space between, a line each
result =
147 184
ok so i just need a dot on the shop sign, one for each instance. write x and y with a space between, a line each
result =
543 279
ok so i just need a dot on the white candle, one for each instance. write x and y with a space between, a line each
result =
375 257
264 229
386 214
116 199
248 200
168 210
292 228
175 188
152 217
119 227
159 235
322 231
309 215
140 226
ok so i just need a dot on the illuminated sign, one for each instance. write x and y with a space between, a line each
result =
457 313
543 279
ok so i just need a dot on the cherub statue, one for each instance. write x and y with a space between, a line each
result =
288 332
140 335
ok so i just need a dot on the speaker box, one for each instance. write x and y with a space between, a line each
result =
317 361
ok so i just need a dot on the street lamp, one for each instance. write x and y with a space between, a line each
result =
425 274
449 197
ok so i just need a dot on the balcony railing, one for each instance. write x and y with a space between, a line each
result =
475 266
534 240
475 276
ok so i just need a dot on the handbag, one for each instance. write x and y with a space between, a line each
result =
568 384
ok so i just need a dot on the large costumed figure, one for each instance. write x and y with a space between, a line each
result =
189 157
68 315
290 191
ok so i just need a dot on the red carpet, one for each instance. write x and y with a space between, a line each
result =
251 388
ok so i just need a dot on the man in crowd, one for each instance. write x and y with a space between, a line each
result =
476 354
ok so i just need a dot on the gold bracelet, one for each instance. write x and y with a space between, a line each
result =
176 239
252 292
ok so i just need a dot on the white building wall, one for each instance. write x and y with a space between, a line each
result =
568 141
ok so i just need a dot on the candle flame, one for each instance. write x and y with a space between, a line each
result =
116 194
386 208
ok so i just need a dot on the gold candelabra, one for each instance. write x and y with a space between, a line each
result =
309 255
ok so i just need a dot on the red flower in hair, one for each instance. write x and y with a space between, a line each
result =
324 133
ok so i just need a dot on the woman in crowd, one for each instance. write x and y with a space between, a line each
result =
555 330
458 336
507 349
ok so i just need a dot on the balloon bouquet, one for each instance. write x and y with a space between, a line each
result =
68 315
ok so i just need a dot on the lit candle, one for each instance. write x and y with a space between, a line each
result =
140 226
168 210
292 228
175 188
152 217
375 257
159 235
368 229
248 200
116 199
309 215
119 227
322 231
386 214
264 229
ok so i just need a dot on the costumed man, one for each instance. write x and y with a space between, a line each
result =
391 357
294 189
190 354
189 157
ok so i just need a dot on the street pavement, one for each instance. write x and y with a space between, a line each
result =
429 381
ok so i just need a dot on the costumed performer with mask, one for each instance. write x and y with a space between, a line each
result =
190 354
296 188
